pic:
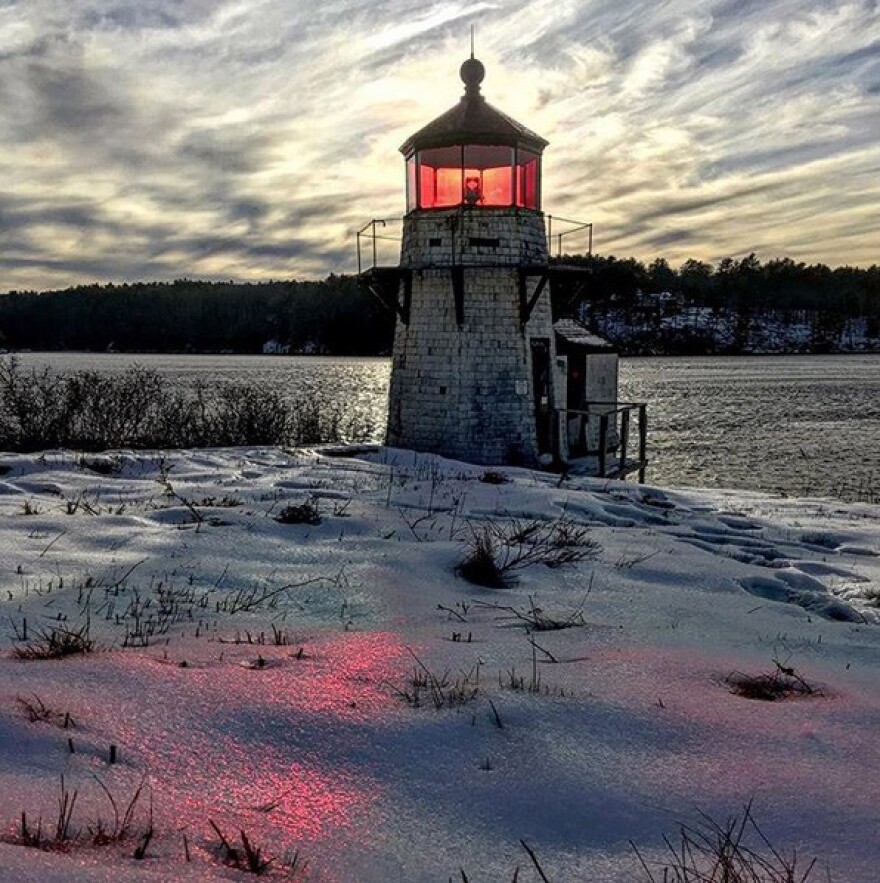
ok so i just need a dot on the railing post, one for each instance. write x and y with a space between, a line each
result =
360 269
643 441
556 439
603 444
624 439
375 260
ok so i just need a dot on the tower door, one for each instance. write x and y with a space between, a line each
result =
541 389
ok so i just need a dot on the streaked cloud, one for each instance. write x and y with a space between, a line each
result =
250 138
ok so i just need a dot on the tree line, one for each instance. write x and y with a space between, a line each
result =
337 316
741 285
329 316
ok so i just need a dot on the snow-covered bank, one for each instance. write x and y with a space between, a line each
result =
666 324
305 741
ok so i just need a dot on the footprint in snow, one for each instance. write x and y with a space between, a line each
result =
802 591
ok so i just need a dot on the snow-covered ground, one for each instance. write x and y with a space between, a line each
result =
254 673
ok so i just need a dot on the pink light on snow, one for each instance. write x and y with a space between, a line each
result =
276 750
709 741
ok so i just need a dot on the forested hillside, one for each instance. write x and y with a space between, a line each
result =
734 307
737 307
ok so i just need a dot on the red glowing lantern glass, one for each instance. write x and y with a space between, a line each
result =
478 175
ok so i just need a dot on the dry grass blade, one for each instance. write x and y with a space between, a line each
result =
719 852
257 863
122 824
249 859
536 618
440 690
535 862
66 803
37 711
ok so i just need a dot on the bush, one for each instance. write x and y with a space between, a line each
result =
140 408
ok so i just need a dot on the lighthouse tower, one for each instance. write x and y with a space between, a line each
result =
474 350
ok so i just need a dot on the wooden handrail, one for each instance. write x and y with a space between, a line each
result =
608 423
615 404
611 409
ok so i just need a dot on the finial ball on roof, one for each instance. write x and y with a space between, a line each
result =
472 73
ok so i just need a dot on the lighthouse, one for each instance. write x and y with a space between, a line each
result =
482 370
472 373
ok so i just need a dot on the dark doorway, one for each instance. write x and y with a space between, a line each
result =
577 381
541 389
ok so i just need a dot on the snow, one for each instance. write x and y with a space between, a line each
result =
308 745
667 319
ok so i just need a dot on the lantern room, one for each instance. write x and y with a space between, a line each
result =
473 156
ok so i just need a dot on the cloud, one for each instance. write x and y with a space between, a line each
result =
251 138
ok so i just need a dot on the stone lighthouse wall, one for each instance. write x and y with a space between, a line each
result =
462 381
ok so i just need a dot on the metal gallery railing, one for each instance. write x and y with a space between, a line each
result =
565 227
371 243
378 241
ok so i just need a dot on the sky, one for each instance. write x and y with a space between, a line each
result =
251 139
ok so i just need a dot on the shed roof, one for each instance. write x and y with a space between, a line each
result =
577 336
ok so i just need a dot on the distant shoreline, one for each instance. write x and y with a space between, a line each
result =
623 353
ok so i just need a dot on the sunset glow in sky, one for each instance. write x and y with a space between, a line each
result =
250 139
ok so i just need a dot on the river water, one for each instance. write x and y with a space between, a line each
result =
796 425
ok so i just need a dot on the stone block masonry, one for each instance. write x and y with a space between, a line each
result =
473 237
465 389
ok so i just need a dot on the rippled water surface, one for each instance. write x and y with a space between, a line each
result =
793 424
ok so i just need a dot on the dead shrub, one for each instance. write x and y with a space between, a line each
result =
783 682
300 513
481 566
497 550
55 642
537 619
63 835
38 712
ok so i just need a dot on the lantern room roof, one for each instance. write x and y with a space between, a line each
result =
473 121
